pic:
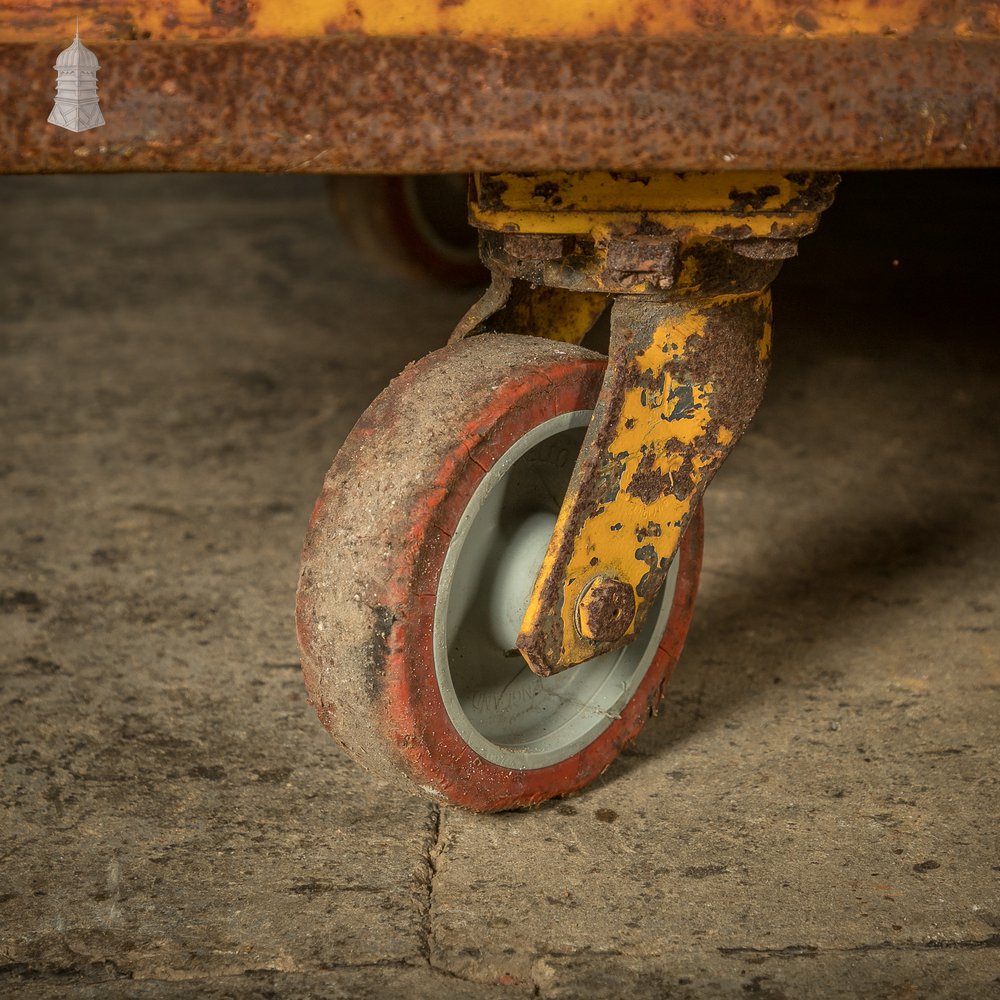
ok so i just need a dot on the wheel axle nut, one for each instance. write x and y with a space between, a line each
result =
605 610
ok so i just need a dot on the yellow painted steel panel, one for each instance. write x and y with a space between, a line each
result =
120 20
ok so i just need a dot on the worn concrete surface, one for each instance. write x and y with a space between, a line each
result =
814 814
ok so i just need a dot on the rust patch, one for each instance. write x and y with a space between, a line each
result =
230 13
647 484
649 586
744 201
411 105
650 530
650 485
727 355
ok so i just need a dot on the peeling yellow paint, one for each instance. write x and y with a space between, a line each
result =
630 191
764 344
654 436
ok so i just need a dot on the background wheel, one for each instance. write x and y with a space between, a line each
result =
417 567
415 225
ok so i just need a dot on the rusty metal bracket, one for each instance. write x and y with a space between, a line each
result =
688 260
683 382
511 305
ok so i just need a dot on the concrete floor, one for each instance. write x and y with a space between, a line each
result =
814 814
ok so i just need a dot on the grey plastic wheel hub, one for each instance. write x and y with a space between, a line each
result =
507 714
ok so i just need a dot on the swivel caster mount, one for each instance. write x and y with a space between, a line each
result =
501 568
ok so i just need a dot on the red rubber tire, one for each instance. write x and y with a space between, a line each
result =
374 552
412 226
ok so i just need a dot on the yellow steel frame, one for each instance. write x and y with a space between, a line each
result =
30 20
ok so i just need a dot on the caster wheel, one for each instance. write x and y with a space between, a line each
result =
422 552
414 225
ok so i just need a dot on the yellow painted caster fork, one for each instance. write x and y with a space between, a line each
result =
686 261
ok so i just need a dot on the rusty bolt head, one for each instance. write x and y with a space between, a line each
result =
606 609
643 255
536 246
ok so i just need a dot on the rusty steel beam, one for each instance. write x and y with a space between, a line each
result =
409 105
